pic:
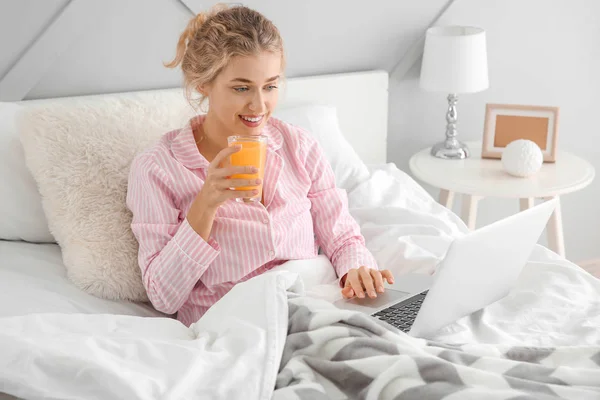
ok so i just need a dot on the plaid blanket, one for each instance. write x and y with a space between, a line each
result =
338 354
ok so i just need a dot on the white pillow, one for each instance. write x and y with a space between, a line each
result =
321 121
21 213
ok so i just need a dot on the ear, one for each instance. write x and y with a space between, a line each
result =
204 90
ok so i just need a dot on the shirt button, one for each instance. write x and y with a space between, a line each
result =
271 253
265 221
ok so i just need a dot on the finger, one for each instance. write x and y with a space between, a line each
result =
356 285
347 292
236 183
347 277
343 280
229 171
232 194
223 154
387 274
367 281
378 280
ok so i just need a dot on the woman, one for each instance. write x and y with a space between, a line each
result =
195 242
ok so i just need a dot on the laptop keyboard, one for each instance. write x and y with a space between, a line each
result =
402 314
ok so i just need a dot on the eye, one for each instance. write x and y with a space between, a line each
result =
240 89
271 87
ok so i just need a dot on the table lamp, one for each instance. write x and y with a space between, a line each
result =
454 61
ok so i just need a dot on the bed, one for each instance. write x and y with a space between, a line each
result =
277 335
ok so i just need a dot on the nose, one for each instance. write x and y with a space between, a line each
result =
257 103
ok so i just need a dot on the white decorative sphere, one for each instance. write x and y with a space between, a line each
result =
522 158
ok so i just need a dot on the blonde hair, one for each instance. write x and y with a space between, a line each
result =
211 39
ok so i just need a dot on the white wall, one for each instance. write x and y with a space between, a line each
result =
128 40
540 52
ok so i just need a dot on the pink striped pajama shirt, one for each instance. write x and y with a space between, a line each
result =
302 211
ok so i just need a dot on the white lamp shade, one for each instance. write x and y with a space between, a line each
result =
454 60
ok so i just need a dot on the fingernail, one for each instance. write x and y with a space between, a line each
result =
351 293
258 181
361 295
372 293
380 289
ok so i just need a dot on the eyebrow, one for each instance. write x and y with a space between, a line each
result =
249 81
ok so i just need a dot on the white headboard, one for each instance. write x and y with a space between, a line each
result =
361 100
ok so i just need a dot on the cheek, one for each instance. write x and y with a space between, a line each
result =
227 105
272 99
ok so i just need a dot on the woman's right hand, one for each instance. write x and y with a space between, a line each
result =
216 191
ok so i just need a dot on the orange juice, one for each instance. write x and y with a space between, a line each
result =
253 153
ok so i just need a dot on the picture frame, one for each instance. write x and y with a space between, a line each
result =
505 123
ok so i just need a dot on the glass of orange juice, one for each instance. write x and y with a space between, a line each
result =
253 153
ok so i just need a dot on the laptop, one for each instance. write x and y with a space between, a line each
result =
477 270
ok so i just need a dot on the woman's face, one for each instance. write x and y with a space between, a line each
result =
245 93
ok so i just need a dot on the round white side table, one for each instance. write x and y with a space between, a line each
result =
475 178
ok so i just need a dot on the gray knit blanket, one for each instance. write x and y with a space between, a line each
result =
337 354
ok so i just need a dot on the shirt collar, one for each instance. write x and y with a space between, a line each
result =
272 132
184 146
186 152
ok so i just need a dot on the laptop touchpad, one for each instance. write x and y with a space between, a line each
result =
368 304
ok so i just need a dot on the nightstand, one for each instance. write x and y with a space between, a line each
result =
475 178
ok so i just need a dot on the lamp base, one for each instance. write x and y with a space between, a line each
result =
451 150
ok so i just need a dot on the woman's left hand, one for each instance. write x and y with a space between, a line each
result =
359 281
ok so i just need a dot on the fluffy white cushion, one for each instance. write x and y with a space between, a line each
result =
79 152
21 214
322 122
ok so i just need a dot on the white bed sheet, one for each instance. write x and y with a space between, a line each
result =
33 279
235 349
